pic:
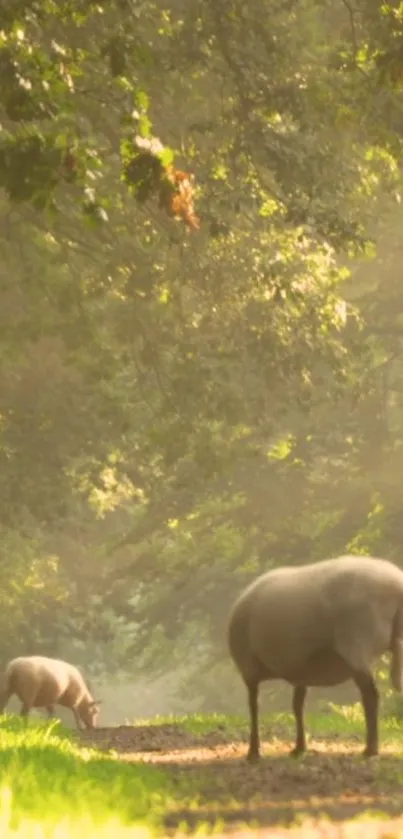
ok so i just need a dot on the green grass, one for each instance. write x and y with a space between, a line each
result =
51 788
340 721
46 780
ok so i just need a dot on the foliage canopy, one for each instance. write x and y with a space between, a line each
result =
185 402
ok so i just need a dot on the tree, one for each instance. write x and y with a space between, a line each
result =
181 407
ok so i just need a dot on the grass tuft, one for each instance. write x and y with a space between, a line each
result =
53 788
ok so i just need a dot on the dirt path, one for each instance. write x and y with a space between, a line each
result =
331 781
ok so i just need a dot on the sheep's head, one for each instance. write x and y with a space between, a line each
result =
89 712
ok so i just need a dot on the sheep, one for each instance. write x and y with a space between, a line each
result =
319 625
43 682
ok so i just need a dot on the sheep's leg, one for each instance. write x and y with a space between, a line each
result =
254 751
77 718
25 709
51 711
5 696
298 700
370 701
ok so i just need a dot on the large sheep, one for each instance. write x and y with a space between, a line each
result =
41 682
319 624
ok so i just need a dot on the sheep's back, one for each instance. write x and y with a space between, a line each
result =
45 680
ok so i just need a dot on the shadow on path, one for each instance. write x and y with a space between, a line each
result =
215 782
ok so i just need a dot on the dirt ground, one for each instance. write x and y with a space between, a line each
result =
318 795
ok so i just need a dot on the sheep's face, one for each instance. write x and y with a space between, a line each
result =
89 713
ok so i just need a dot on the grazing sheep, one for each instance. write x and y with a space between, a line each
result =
43 682
319 624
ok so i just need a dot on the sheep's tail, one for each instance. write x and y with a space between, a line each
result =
396 665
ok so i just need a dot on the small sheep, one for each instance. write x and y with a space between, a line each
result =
319 624
43 682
